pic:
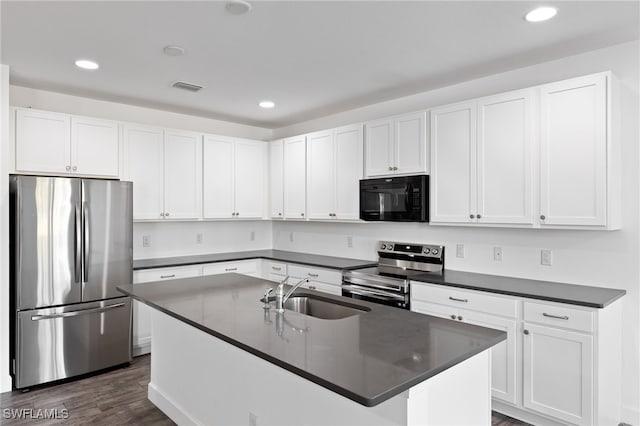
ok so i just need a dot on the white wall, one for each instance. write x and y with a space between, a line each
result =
5 379
179 238
607 259
52 101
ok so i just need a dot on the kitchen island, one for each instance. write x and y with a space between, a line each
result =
220 358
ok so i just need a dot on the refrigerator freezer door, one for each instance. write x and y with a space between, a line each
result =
46 240
66 341
107 254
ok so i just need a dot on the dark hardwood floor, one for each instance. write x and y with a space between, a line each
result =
117 397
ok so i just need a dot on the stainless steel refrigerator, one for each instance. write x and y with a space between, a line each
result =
71 245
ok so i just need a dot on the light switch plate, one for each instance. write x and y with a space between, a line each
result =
199 238
349 241
460 250
497 254
545 257
146 241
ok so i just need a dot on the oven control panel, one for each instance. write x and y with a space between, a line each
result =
433 251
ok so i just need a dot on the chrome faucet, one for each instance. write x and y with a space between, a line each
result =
281 297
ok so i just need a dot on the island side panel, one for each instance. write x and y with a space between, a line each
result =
199 379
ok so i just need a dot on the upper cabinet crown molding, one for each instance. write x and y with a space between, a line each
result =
62 144
396 145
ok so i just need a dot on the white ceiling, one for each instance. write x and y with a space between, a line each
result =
311 58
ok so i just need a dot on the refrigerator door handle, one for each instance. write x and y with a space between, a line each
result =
85 248
77 243
76 313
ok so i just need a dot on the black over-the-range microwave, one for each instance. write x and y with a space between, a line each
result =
395 199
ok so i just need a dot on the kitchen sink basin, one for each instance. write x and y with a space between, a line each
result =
320 307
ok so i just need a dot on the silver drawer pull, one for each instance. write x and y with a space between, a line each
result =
313 275
276 268
458 300
76 313
230 269
555 316
168 276
312 287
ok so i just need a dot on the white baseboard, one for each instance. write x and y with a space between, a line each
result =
6 383
631 415
142 349
168 407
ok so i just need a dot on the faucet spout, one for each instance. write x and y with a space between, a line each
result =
281 297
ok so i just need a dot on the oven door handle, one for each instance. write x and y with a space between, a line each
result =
372 293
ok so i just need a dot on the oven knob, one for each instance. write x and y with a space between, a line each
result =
434 252
426 250
383 246
390 247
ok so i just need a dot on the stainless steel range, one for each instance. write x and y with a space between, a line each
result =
388 283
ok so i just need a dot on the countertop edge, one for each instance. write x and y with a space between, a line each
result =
368 402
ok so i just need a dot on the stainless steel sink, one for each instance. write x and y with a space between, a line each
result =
321 308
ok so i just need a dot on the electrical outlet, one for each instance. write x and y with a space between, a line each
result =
349 241
253 419
497 254
146 241
199 238
545 257
290 236
252 236
460 250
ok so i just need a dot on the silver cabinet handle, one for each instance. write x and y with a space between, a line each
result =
479 216
459 318
312 275
395 167
458 300
166 214
67 168
542 217
453 317
564 317
525 331
76 313
230 269
167 276
279 214
276 268
390 168
74 168
161 214
301 214
312 287
471 216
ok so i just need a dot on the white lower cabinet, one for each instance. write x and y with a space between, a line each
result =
142 313
321 279
560 363
245 267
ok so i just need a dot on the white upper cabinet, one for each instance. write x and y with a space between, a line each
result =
397 145
144 166
349 169
62 144
233 178
166 170
295 191
481 160
182 175
320 175
574 144
276 179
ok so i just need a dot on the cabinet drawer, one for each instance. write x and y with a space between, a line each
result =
327 288
476 301
244 267
163 274
278 268
316 274
559 316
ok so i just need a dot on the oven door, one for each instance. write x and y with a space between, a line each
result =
376 295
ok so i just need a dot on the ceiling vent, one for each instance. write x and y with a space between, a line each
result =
187 86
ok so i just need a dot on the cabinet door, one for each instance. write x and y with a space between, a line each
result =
43 142
348 171
242 267
453 163
558 373
320 175
379 146
503 355
143 165
504 158
94 147
276 179
573 152
249 162
410 154
294 178
218 177
182 175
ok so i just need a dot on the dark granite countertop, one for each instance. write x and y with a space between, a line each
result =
367 358
594 297
330 262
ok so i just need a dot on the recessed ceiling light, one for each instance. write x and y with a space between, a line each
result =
173 50
266 104
87 64
238 7
541 14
